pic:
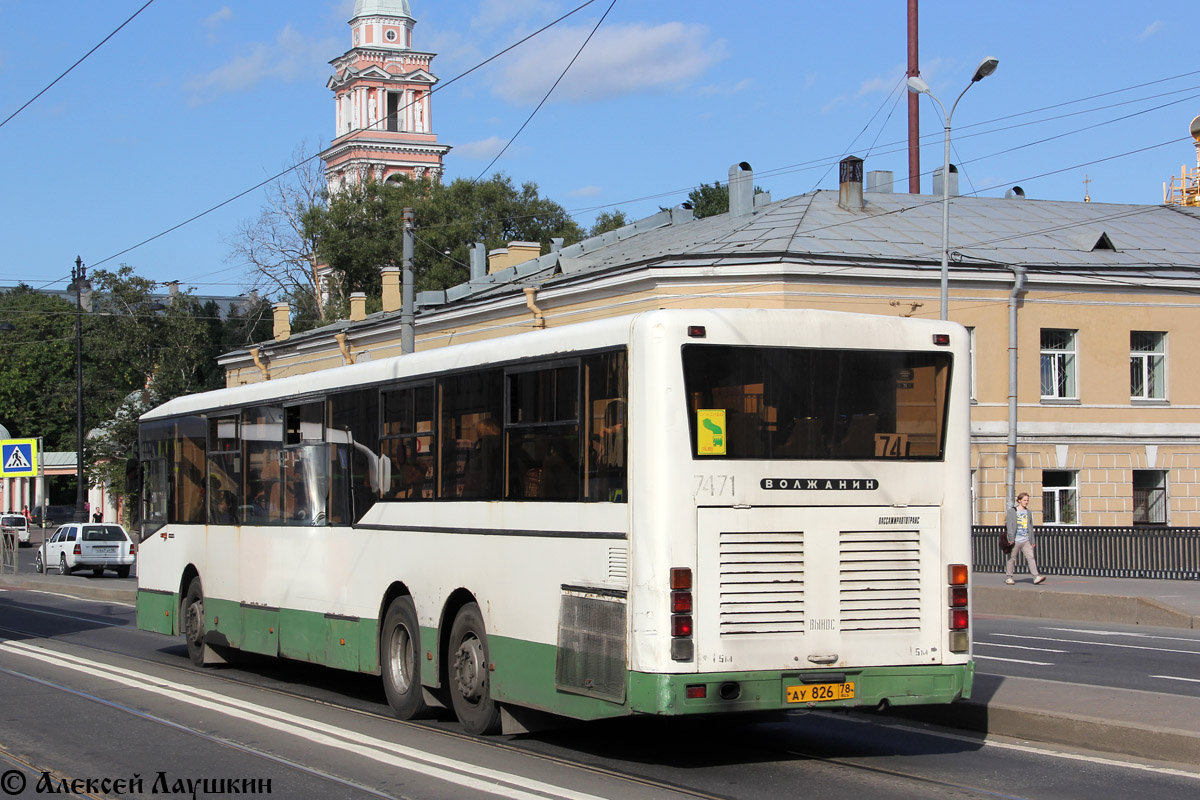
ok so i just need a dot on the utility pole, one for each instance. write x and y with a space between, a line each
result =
79 284
407 334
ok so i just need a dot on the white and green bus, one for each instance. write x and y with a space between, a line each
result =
676 512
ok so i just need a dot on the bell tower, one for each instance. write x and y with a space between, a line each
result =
381 87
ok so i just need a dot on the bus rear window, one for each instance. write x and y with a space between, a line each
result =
798 404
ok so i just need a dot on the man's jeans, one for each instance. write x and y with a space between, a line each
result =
1025 547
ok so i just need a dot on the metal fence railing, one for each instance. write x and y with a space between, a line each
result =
1099 552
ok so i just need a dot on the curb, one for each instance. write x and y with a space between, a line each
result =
69 585
987 713
1046 604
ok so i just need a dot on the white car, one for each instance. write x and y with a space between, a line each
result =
86 545
15 523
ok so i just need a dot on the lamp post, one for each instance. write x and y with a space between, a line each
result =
79 285
917 86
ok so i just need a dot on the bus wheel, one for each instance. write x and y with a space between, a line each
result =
400 654
193 622
469 675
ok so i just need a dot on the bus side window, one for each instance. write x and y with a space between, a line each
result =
467 403
354 427
543 434
606 427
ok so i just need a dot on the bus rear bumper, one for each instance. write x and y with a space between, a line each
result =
721 693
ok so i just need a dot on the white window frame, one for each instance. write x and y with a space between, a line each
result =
1141 368
1060 365
1060 501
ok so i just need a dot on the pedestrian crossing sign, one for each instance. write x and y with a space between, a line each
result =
18 458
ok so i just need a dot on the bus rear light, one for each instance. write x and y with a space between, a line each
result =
697 692
681 578
959 617
682 647
941 339
958 574
960 641
681 602
696 331
958 597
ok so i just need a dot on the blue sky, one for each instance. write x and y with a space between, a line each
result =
196 101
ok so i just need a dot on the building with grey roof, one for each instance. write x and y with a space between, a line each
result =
1104 299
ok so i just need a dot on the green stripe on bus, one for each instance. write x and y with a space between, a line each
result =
156 611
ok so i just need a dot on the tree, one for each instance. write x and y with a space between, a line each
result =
608 221
362 227
138 358
279 248
37 373
709 200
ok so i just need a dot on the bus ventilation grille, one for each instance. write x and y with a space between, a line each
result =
591 645
618 565
879 585
762 582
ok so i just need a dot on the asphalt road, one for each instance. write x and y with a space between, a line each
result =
86 695
1162 660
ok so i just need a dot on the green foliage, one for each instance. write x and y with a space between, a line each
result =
708 200
362 228
608 221
134 358
37 373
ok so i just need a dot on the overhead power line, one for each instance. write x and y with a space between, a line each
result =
299 164
76 64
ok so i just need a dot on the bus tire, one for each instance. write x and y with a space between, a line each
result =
193 622
400 660
470 678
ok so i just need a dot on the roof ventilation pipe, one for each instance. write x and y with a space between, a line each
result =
479 265
1015 193
937 181
850 183
741 190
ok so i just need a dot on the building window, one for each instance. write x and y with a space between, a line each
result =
1060 498
1147 365
1149 497
1058 365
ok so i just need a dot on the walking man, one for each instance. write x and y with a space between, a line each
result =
1020 536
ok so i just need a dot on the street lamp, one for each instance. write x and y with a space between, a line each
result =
918 86
79 286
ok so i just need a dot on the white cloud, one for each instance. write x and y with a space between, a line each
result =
484 149
1151 29
619 60
292 56
216 18
725 88
586 191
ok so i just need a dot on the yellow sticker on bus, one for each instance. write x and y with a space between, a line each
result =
710 432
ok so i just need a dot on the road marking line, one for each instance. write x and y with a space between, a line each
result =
408 758
1021 647
1100 644
1126 633
1013 660
1176 678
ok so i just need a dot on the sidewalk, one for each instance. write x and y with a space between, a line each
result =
1122 721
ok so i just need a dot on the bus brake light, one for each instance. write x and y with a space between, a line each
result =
958 619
